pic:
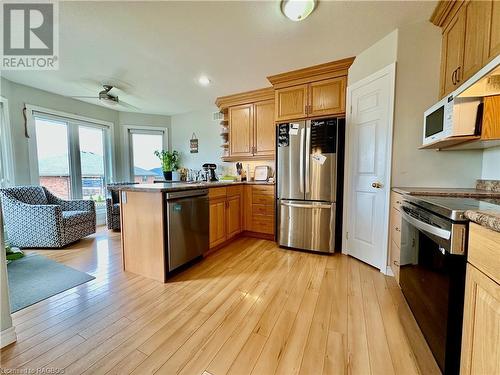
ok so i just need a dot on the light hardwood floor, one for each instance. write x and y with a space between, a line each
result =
251 308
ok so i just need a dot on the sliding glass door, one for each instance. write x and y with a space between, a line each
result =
73 158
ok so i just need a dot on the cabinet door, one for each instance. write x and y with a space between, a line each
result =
476 13
217 221
241 130
233 216
481 327
492 42
453 53
327 97
264 129
291 103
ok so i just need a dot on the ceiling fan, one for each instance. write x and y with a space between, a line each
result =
105 97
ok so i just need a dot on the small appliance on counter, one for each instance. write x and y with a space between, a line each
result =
240 172
209 169
262 173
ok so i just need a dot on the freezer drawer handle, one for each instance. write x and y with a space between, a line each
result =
298 205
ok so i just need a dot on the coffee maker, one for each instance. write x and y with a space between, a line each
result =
210 171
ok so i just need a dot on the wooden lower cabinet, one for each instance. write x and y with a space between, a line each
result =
217 221
233 215
395 234
481 327
260 210
226 205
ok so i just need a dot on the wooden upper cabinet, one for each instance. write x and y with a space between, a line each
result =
291 102
241 130
250 118
264 128
327 97
492 40
315 91
471 38
453 53
476 13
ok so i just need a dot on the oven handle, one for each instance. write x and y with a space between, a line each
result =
439 232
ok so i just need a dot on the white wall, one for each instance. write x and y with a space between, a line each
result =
207 131
416 49
491 164
19 95
374 58
209 140
417 88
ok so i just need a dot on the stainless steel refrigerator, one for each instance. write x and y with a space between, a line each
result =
309 184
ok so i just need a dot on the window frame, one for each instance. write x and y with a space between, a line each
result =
128 154
73 121
6 153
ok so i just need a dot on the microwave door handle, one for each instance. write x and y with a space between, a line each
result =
439 232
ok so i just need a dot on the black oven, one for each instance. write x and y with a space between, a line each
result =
432 278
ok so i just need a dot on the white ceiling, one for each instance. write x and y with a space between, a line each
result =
155 51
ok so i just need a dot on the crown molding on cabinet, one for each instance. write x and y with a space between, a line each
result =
444 12
223 102
313 73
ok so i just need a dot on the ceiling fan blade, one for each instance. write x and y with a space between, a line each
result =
84 97
128 105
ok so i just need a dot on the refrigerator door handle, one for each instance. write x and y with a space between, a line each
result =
301 160
302 205
307 157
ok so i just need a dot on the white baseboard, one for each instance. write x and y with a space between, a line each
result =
388 271
8 336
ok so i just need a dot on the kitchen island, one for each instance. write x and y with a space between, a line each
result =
166 226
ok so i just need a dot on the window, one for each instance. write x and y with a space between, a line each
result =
6 166
145 167
71 157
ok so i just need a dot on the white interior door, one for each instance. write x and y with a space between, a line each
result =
369 142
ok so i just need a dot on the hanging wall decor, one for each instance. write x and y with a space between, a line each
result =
193 144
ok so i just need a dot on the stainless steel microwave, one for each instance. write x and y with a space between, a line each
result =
450 117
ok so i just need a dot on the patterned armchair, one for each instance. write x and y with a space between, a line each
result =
34 217
113 205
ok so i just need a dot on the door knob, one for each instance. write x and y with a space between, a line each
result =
377 185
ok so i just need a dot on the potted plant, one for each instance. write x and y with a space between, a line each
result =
169 164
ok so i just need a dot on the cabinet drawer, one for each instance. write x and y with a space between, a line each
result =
396 200
262 210
263 199
263 189
234 190
263 224
484 247
218 192
396 226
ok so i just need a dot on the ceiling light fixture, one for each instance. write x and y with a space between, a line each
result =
204 81
297 10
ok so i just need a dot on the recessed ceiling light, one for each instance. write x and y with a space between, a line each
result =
204 81
297 10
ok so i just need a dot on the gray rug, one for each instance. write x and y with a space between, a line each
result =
35 278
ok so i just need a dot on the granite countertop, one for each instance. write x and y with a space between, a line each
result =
447 192
180 186
489 218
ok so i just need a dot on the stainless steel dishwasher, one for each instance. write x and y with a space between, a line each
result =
187 226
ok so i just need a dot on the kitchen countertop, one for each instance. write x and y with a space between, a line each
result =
487 218
181 186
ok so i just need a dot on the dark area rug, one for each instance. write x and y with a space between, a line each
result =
35 278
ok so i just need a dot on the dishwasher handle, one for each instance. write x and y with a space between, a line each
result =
186 194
